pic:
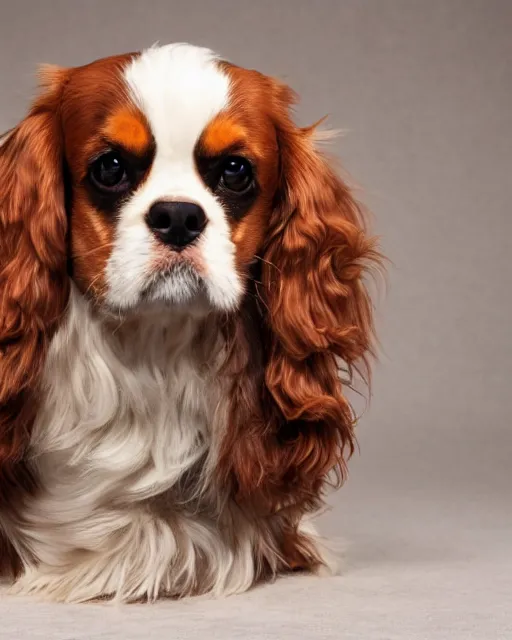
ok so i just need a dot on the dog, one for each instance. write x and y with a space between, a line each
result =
182 275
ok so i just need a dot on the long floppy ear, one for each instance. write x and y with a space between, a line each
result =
291 424
33 280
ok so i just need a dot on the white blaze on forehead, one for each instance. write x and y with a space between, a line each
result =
180 89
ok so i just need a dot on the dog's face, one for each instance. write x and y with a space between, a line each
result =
172 166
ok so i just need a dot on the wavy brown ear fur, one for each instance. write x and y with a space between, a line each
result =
291 425
33 284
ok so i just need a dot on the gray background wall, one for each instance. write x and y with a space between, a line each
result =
424 90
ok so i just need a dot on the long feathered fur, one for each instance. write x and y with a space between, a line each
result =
174 456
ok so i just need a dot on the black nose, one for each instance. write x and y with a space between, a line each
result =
176 223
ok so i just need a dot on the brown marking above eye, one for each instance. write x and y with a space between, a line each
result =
129 129
221 134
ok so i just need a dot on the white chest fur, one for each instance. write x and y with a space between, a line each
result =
122 448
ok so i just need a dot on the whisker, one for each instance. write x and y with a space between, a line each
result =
93 282
88 253
270 264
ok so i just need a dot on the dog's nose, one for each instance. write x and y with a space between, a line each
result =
176 223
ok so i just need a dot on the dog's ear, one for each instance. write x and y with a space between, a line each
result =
33 278
291 424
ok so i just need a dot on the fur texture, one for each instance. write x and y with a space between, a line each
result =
122 441
169 420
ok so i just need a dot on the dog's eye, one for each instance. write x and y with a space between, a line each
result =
236 174
108 173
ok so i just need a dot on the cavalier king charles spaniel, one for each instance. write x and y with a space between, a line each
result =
182 278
